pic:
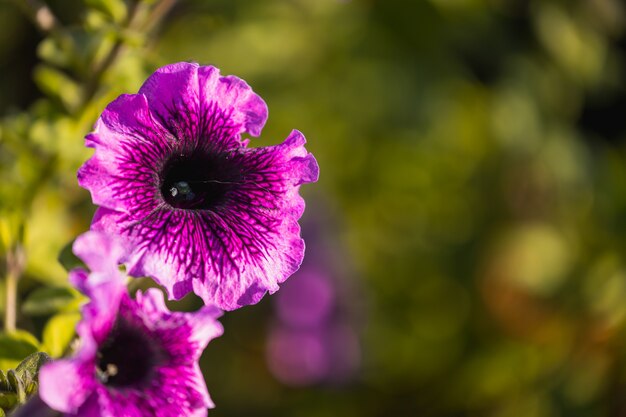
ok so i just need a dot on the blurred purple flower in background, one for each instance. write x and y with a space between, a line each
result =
306 303
202 211
301 356
313 339
135 358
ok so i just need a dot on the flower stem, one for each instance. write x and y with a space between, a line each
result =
11 302
15 266
158 13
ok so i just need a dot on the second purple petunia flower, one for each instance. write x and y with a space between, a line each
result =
200 210
135 357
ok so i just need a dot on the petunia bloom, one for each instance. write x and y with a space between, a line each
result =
135 357
310 341
313 338
200 210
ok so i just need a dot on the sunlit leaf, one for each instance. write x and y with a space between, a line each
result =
17 385
116 9
59 332
8 400
59 85
16 346
28 371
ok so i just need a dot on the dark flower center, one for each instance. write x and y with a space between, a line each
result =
128 357
197 182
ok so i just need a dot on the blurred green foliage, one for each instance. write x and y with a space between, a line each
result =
472 154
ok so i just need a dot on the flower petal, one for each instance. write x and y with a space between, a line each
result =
91 408
99 252
196 104
105 285
129 144
56 379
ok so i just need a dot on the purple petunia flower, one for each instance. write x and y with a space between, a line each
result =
314 336
310 342
135 358
202 211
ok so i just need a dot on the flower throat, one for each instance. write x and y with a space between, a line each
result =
196 182
127 358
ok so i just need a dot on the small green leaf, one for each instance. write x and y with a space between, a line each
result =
8 400
17 385
30 385
52 51
116 9
59 332
68 260
49 300
33 364
57 84
96 20
15 346
4 382
28 370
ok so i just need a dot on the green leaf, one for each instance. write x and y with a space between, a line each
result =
28 370
8 400
15 346
68 260
53 52
116 9
59 332
32 364
4 382
57 84
96 20
50 300
18 386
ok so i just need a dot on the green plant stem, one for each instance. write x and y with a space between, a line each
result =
11 302
158 13
15 266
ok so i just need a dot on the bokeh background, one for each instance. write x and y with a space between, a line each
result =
465 242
